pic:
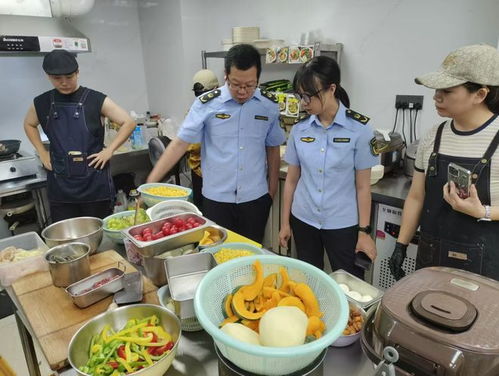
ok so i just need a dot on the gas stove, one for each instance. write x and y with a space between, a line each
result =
20 165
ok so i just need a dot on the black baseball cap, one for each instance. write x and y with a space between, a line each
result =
60 62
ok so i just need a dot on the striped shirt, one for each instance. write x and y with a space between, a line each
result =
471 144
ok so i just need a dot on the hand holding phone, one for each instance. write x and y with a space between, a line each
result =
461 178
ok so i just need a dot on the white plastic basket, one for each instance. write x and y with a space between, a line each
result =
11 271
171 207
264 360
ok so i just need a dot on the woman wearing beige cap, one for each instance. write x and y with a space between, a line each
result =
459 222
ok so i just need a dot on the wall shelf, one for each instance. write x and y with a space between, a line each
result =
331 50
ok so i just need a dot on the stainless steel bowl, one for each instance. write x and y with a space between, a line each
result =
87 230
65 273
222 232
78 347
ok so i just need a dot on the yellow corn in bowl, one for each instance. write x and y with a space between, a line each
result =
153 193
228 251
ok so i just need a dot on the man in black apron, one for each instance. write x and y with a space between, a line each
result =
79 181
460 232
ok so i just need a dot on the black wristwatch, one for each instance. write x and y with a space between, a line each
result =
368 229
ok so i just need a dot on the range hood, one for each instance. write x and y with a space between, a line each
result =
20 35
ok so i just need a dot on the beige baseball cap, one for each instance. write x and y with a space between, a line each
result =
478 63
206 78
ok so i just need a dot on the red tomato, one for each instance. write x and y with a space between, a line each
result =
188 226
113 364
195 224
166 231
166 225
121 352
148 237
191 220
139 237
173 230
178 222
157 235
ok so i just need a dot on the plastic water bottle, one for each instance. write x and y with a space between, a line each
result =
138 138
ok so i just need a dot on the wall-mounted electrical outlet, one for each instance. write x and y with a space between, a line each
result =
414 102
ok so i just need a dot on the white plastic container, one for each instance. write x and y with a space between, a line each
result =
11 271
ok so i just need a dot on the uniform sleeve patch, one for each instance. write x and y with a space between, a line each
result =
307 139
341 139
222 116
269 95
261 117
205 98
356 116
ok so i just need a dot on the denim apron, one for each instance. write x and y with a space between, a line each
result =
71 179
448 237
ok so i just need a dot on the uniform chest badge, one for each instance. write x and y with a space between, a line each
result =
261 117
222 116
307 139
343 140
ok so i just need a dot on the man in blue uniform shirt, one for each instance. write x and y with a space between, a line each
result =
238 126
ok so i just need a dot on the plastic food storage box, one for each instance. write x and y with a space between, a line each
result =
29 241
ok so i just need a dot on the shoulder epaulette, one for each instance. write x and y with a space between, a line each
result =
303 116
205 98
356 116
269 95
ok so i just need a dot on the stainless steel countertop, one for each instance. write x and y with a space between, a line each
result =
23 185
392 189
196 357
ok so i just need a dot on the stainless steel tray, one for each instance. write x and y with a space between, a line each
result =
83 293
357 284
184 274
156 247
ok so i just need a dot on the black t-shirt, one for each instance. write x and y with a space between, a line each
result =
92 107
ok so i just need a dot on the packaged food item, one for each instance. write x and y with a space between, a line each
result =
292 105
294 55
271 55
306 53
283 55
281 100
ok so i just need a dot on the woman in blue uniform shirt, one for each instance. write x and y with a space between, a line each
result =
327 194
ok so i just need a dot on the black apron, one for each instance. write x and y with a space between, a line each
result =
71 179
448 237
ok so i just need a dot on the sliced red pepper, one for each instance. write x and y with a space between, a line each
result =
152 350
121 352
113 364
166 347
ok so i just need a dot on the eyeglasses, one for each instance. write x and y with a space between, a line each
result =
307 98
247 87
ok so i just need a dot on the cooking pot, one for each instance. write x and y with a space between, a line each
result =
442 321
8 147
68 263
410 158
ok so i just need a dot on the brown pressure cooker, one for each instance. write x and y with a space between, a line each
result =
442 321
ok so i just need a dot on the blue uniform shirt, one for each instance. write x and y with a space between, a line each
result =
325 196
233 140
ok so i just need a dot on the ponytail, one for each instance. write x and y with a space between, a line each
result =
342 95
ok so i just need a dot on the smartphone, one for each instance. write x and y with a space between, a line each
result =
362 260
461 178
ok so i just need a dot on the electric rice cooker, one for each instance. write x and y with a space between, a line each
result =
442 321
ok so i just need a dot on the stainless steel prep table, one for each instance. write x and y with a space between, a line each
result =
392 189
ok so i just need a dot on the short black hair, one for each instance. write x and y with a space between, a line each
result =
243 57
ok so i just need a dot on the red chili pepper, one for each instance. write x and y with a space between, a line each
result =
113 364
166 347
121 352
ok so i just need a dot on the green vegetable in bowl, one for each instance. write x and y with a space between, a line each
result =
120 223
138 345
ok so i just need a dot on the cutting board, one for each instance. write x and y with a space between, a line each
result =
54 318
